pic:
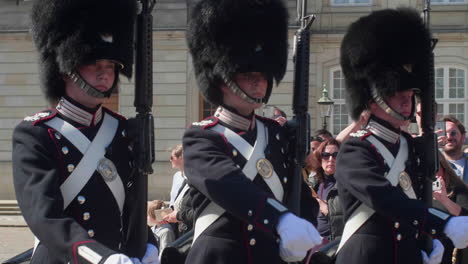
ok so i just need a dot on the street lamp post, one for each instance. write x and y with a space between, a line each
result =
325 105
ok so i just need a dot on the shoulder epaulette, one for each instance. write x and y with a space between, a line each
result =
41 116
361 133
114 114
205 123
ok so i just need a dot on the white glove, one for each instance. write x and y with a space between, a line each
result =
151 255
121 259
457 230
297 237
436 254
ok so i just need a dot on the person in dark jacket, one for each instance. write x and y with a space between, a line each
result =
451 197
72 167
385 60
237 163
330 219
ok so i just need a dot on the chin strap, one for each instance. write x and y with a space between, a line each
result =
382 104
239 92
88 88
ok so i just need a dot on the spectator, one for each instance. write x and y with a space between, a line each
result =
323 133
279 116
162 231
454 144
177 162
452 197
330 219
312 162
354 126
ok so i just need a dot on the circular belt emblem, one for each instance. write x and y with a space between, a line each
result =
107 169
264 168
405 181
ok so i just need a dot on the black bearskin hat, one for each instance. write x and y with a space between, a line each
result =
389 50
234 36
71 33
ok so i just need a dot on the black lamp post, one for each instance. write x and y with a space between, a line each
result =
325 105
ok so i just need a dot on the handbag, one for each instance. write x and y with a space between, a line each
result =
177 251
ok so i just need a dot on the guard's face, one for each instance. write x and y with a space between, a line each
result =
455 139
254 84
402 102
100 75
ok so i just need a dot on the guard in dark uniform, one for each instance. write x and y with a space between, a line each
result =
237 162
72 166
385 58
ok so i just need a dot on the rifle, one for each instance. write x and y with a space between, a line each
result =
300 123
142 130
428 142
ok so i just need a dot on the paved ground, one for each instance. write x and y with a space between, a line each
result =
15 237
14 240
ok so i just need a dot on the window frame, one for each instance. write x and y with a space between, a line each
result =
350 3
446 100
340 101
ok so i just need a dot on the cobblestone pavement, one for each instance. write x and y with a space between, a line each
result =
14 240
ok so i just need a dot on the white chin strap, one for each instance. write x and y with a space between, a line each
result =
88 88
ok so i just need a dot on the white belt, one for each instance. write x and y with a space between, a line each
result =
397 165
252 154
93 152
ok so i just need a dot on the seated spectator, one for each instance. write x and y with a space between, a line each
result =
330 219
177 162
162 231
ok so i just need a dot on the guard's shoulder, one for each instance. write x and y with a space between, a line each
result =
205 123
114 114
360 134
40 117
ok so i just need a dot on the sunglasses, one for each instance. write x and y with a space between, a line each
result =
327 155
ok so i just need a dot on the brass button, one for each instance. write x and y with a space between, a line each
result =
415 222
58 135
70 167
86 216
234 153
399 237
91 233
81 199
397 225
285 180
277 136
65 150
250 213
252 242
250 227
266 221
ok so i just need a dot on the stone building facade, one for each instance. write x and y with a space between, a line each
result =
177 102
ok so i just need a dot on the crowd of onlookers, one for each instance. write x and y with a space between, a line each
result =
170 221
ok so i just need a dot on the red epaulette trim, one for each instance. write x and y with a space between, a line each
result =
206 123
52 114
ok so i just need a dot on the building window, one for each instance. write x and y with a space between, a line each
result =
448 2
350 2
206 109
450 86
340 118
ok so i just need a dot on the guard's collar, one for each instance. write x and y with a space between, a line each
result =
233 119
383 130
79 113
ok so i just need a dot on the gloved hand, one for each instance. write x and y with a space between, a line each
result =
121 259
151 255
297 236
436 254
457 230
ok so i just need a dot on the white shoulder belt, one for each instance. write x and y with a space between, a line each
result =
397 165
252 154
93 152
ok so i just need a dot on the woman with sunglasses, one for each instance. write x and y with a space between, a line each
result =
330 218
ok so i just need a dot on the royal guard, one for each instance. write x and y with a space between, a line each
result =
385 61
72 166
236 162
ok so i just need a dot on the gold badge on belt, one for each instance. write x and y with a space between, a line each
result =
264 168
107 169
405 180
